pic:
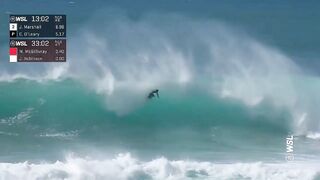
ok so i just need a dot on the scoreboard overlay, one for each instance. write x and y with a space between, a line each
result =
37 38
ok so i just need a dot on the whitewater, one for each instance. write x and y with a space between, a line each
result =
124 166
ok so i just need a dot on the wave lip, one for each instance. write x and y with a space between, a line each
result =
132 57
124 166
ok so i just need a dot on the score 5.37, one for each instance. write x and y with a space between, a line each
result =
59 34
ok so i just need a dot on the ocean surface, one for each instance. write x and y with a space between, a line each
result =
236 80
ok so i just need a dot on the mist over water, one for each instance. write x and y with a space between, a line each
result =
124 59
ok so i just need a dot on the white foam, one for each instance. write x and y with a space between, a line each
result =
313 135
8 133
65 135
124 166
19 118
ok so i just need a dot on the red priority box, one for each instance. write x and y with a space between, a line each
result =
13 51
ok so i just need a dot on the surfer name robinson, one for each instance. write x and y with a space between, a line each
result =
28 58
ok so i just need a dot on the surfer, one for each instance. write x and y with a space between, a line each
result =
153 93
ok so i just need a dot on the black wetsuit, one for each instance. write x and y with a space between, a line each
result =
152 94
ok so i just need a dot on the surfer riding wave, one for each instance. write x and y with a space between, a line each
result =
153 94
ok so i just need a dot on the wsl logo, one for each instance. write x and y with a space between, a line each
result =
18 19
289 148
21 43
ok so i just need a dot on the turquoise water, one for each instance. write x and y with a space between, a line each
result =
46 120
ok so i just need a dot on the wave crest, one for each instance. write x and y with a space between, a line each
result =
124 59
